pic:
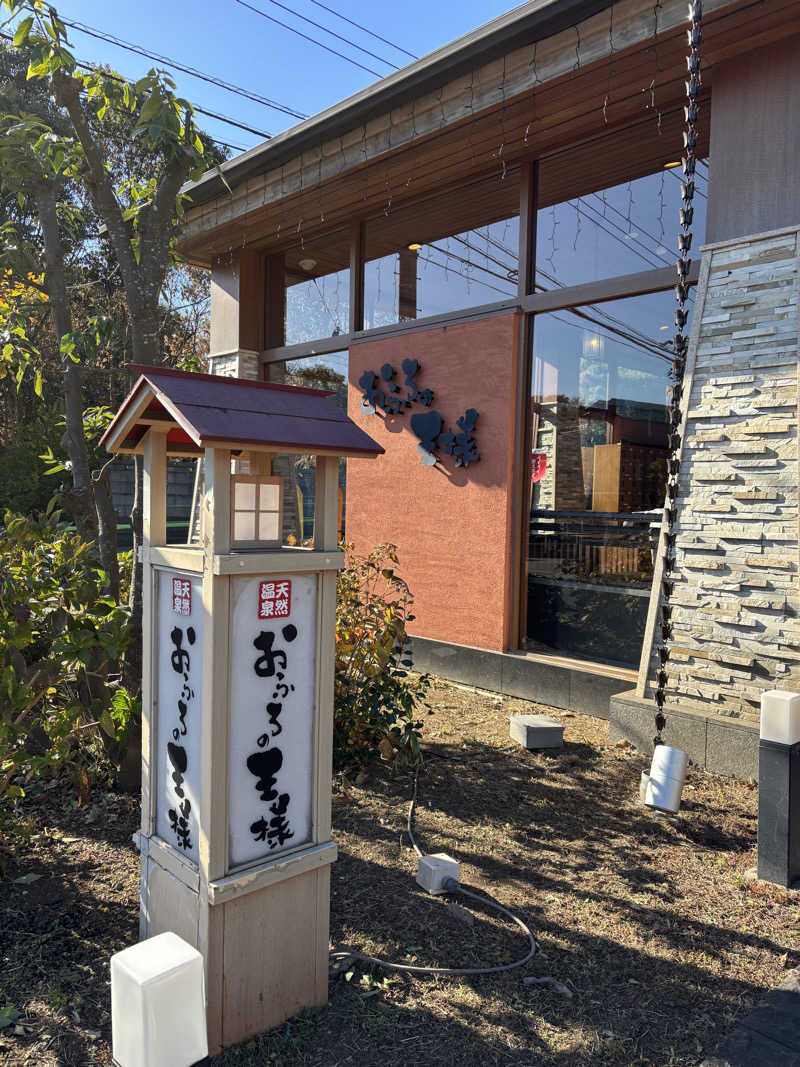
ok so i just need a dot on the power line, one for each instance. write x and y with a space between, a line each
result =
200 110
139 50
305 37
229 122
338 36
364 29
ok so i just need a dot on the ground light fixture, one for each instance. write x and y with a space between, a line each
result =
779 788
158 1013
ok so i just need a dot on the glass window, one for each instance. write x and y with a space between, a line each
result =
317 280
620 230
445 254
599 415
299 472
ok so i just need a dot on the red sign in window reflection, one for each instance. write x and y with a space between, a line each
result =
538 466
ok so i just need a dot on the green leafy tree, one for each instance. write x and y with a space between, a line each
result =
61 641
376 698
139 209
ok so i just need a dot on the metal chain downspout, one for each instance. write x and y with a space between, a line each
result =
681 345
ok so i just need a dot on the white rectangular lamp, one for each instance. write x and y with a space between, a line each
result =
779 788
158 1016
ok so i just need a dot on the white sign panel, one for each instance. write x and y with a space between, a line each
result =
273 644
179 640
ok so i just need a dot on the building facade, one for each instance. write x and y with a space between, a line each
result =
478 255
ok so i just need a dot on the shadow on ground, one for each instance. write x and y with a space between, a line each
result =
647 921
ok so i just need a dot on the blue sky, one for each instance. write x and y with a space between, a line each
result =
225 39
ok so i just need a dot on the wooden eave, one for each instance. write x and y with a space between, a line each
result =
619 114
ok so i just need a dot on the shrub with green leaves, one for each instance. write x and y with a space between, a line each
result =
61 643
376 697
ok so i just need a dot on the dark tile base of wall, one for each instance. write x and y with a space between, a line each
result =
519 676
723 746
728 747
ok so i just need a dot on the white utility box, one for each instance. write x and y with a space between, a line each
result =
158 1011
434 871
537 731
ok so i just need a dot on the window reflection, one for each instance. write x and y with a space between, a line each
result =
599 418
317 288
620 230
444 254
465 270
299 473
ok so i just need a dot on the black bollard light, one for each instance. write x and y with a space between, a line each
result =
779 788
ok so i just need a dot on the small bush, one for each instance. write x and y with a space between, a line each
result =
376 698
61 643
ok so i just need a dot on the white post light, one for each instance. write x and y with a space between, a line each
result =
780 717
779 788
158 1011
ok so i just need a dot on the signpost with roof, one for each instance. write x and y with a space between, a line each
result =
237 690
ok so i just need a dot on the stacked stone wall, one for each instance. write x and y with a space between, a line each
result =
735 598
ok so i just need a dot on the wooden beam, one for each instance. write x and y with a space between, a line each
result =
356 320
326 504
154 486
517 595
407 284
275 307
528 193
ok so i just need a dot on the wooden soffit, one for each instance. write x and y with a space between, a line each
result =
603 98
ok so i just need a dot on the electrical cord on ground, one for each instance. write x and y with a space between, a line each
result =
411 808
452 886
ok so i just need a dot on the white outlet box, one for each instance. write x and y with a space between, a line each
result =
434 871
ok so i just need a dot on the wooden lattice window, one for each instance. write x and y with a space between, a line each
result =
256 511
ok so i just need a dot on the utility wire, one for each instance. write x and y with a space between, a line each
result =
305 37
211 79
450 886
338 36
200 110
364 29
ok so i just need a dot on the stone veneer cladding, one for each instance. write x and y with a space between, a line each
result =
235 365
735 600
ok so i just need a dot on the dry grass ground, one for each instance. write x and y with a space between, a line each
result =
651 924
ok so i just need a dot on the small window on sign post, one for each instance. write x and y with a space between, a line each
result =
256 511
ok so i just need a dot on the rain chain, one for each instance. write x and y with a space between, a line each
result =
681 345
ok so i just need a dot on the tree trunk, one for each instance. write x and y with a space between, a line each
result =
146 349
107 529
80 498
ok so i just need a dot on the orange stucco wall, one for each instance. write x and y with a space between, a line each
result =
451 525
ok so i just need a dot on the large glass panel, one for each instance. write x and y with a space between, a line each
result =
317 279
299 472
599 414
444 254
620 230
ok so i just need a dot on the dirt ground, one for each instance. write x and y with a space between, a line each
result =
650 924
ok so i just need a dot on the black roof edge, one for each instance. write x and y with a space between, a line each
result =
422 76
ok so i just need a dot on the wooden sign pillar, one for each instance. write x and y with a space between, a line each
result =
237 691
236 848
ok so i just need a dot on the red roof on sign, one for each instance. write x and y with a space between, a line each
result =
203 410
